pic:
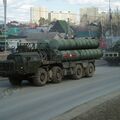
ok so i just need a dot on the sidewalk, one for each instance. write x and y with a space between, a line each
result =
3 78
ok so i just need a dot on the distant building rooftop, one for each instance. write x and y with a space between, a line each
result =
36 37
62 26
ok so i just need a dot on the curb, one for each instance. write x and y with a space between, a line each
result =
79 110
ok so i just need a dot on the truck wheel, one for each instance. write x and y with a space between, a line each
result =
78 72
90 70
15 81
40 78
57 74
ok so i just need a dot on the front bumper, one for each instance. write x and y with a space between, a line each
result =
6 68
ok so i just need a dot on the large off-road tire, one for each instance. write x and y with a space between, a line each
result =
89 72
15 80
78 72
40 78
57 74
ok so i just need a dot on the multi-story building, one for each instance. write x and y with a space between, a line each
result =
38 12
103 18
67 16
88 15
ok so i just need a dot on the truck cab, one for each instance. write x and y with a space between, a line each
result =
20 65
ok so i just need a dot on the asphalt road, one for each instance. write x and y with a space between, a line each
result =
44 103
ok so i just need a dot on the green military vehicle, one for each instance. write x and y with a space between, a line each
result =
51 60
112 55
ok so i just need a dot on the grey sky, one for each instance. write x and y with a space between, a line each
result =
19 10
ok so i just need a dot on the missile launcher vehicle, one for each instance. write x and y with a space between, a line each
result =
112 55
51 61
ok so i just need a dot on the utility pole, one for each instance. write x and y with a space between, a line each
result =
117 21
5 10
110 19
68 26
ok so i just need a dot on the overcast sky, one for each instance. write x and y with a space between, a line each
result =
19 9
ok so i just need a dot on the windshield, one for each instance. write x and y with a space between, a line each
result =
16 58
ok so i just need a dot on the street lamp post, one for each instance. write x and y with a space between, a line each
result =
5 9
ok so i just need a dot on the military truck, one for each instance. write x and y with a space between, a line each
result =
112 55
51 61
